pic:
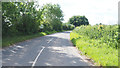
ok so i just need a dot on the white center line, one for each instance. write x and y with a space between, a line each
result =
50 40
37 57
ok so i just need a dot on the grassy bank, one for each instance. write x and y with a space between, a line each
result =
9 40
99 42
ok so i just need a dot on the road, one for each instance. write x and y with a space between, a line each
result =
50 50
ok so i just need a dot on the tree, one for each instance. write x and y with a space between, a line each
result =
9 16
18 17
24 18
53 15
78 20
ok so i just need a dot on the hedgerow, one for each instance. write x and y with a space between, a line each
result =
99 42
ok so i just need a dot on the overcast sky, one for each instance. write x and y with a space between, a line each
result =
97 11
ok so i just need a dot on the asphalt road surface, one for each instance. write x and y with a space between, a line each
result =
50 50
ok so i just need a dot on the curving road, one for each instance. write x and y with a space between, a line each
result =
50 50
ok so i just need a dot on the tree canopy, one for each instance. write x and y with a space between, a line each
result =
29 18
52 16
24 18
78 20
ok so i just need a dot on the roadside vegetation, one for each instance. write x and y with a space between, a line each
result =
26 20
99 42
19 38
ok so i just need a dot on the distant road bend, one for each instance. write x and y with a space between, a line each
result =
50 50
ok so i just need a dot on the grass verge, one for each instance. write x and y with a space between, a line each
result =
99 52
9 40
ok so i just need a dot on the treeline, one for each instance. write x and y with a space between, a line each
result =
28 18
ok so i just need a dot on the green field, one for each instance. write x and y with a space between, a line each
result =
99 42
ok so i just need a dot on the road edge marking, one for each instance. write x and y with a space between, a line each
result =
37 57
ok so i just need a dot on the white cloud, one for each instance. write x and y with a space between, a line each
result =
104 11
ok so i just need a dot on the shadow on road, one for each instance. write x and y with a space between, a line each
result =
59 51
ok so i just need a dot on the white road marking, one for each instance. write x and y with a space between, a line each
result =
12 51
50 40
39 54
37 57
20 46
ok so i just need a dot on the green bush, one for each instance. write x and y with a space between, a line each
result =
28 25
99 42
106 33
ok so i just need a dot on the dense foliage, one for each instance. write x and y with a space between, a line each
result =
78 20
52 17
28 18
107 34
99 42
12 15
67 26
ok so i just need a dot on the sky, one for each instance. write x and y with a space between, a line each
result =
97 11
